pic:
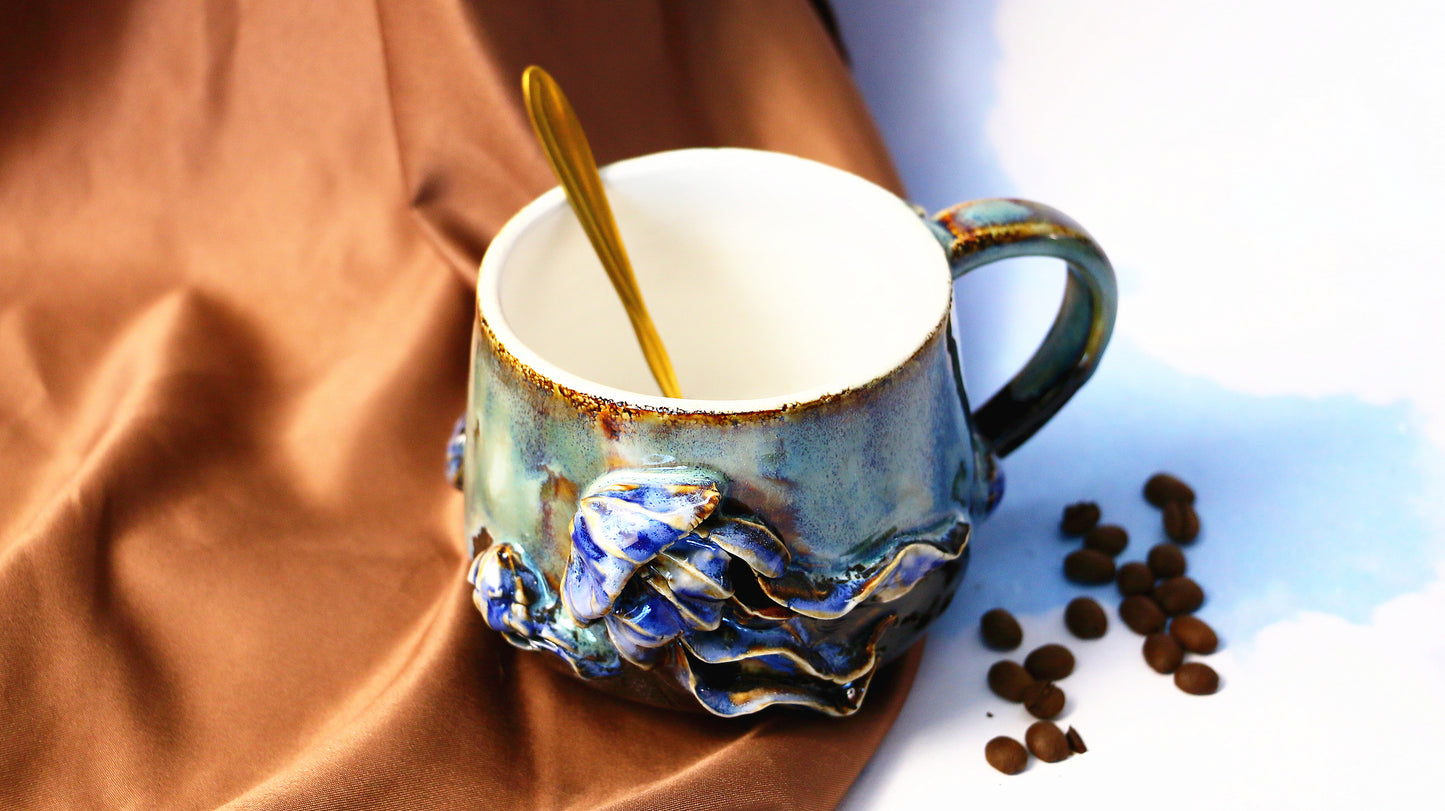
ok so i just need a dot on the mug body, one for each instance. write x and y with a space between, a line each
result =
793 522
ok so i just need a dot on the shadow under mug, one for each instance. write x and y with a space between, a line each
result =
800 517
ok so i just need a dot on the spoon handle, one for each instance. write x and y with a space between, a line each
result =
565 145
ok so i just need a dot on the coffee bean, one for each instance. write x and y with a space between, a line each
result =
1008 680
1089 566
1000 630
1006 754
1049 662
1193 634
1085 618
1076 741
1141 614
1163 488
1179 595
1079 518
1181 523
1162 653
1167 560
1107 538
1196 678
1043 700
1047 742
1135 578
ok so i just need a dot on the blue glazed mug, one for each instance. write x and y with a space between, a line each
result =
801 516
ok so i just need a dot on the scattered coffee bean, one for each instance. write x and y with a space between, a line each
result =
1006 754
1047 742
1107 538
1141 614
1179 595
1167 560
1079 518
1194 634
1089 566
1181 522
1162 653
1043 700
1163 488
1135 578
1000 630
1076 741
1050 662
1196 678
1085 618
1008 680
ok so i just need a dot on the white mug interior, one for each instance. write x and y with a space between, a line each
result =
771 279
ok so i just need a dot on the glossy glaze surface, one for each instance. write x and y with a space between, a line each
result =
747 559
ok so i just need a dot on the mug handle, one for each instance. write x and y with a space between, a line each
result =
984 231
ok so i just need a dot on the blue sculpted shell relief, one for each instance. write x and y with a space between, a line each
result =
667 573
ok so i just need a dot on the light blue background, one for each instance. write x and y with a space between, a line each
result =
1312 503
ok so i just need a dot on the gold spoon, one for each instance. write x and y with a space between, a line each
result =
565 145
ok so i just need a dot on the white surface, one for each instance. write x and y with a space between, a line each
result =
799 309
1267 179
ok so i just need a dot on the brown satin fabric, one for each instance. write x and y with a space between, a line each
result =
237 247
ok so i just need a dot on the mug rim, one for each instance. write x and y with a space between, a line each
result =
512 349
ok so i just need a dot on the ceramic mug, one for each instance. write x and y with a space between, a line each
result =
800 517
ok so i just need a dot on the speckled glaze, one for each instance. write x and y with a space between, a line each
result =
734 560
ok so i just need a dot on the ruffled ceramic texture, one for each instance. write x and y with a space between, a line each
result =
914 556
516 602
764 680
837 651
651 557
651 580
623 522
653 560
762 655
